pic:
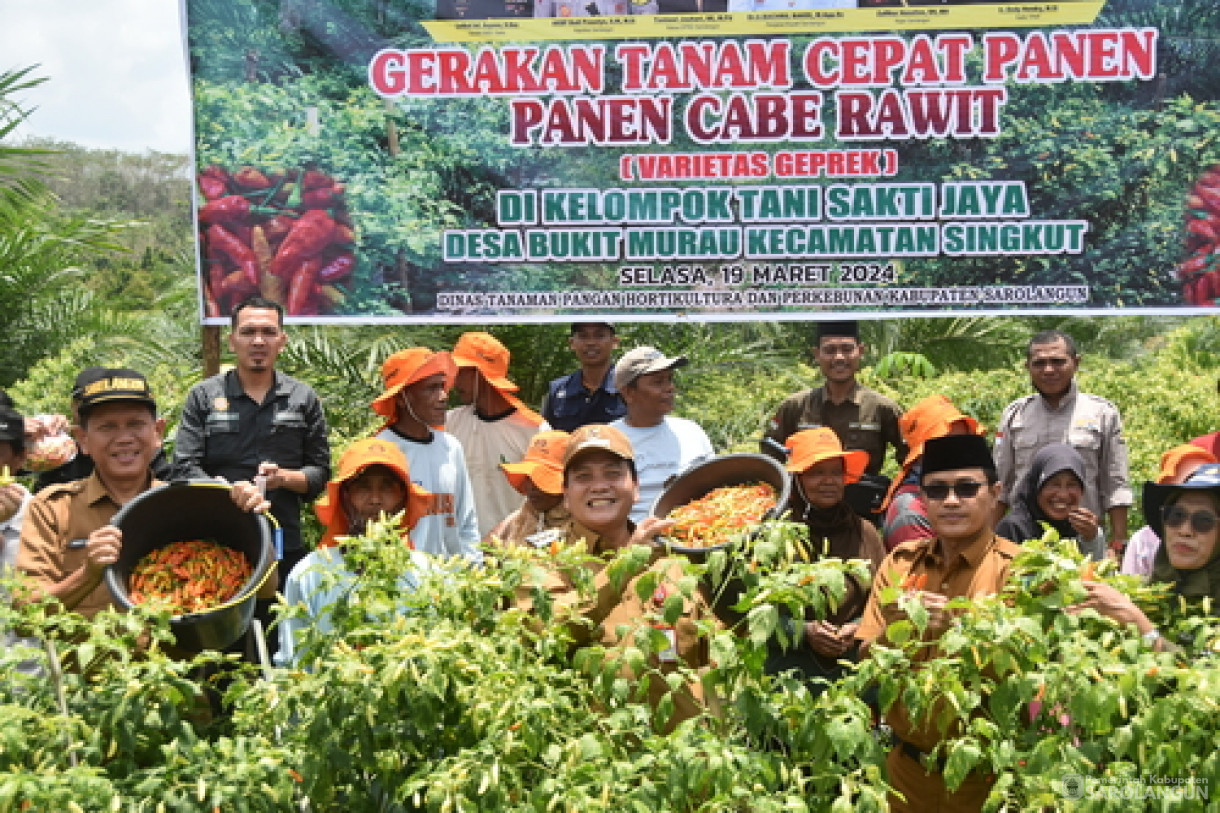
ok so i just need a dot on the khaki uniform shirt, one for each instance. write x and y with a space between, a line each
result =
979 570
1089 424
865 420
58 524
526 522
617 615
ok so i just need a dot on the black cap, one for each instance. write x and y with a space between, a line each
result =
12 425
576 326
848 328
84 378
115 384
957 452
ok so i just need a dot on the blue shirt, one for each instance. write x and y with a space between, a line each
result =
570 405
321 581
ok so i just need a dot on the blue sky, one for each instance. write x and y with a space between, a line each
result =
115 71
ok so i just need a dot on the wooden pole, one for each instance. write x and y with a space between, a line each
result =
211 350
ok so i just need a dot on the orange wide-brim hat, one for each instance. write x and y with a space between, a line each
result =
405 368
483 352
359 456
1173 458
933 417
812 446
543 463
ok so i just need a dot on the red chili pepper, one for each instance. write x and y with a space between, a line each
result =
1205 289
311 233
214 182
277 228
344 235
251 178
229 209
315 179
1195 265
338 268
319 198
212 187
224 241
1210 196
300 287
1203 229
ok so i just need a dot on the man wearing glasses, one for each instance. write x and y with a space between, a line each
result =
1059 413
964 559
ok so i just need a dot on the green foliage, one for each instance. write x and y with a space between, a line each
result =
449 698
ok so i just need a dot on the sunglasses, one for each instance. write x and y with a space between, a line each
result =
1200 521
965 490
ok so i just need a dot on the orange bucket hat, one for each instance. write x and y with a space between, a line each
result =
484 352
931 418
358 457
1173 458
403 369
543 463
812 446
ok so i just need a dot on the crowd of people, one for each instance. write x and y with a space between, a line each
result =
585 470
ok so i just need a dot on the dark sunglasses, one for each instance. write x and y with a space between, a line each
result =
1200 521
964 490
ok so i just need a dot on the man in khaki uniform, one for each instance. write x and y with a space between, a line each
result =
1060 413
964 558
67 540
600 486
862 418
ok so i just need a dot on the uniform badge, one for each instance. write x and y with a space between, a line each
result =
220 403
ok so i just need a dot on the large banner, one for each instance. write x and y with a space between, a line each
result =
552 160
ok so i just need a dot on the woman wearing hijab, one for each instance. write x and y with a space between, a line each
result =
1187 517
1051 494
821 470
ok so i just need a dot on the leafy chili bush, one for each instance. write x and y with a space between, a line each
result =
448 698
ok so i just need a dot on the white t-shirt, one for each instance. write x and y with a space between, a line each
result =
487 444
451 528
662 451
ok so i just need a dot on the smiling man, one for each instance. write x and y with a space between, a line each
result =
1060 413
862 418
589 394
599 488
67 540
965 558
664 445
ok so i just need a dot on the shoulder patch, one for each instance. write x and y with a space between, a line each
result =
62 489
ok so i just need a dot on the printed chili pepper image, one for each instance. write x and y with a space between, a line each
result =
189 576
283 233
721 514
1200 271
